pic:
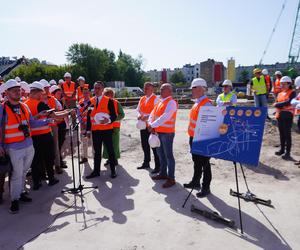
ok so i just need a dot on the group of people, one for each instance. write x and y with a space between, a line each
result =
35 117
34 120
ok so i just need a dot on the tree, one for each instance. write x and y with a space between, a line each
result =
177 77
244 76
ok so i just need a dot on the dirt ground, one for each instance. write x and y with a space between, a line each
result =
133 212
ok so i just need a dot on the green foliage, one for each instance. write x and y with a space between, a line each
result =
123 93
177 77
291 72
92 63
244 77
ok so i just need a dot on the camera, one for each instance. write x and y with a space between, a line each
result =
25 129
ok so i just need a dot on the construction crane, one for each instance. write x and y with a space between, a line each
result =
295 43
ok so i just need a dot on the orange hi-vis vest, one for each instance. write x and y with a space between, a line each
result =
277 86
268 82
194 115
12 133
116 124
83 110
159 109
146 108
284 96
51 102
297 111
101 107
69 90
79 92
33 105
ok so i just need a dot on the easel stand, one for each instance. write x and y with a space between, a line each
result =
80 187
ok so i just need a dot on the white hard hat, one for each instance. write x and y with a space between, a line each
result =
11 83
198 82
154 141
18 79
297 82
52 82
54 88
286 79
67 74
278 73
227 83
61 81
36 85
141 125
265 72
25 86
100 116
45 83
81 78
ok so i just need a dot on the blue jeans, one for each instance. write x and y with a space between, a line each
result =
165 154
260 101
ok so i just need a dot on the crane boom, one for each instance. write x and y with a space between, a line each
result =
295 43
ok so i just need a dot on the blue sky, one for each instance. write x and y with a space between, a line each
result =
167 33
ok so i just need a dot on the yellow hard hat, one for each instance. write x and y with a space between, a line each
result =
256 70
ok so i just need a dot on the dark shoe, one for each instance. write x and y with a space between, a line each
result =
144 166
280 152
58 170
155 171
192 185
113 175
84 160
92 175
286 156
63 165
203 193
52 182
14 207
25 198
159 177
36 186
297 163
106 163
169 183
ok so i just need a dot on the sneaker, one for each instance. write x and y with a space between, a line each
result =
92 175
25 198
14 207
169 183
52 182
280 152
192 185
203 193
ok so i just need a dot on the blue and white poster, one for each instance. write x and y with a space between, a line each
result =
230 133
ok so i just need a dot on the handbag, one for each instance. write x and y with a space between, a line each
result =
5 163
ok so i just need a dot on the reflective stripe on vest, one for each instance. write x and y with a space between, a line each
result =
194 116
159 109
227 98
102 107
277 86
12 133
297 111
79 92
259 86
146 108
33 105
83 110
116 124
284 96
51 102
69 90
268 82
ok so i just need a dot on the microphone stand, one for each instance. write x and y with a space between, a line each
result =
76 190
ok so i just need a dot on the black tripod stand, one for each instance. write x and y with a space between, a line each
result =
75 190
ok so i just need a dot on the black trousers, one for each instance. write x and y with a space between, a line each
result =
61 139
43 157
146 149
99 137
2 180
201 165
285 122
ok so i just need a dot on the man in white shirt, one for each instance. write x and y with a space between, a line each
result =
162 121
